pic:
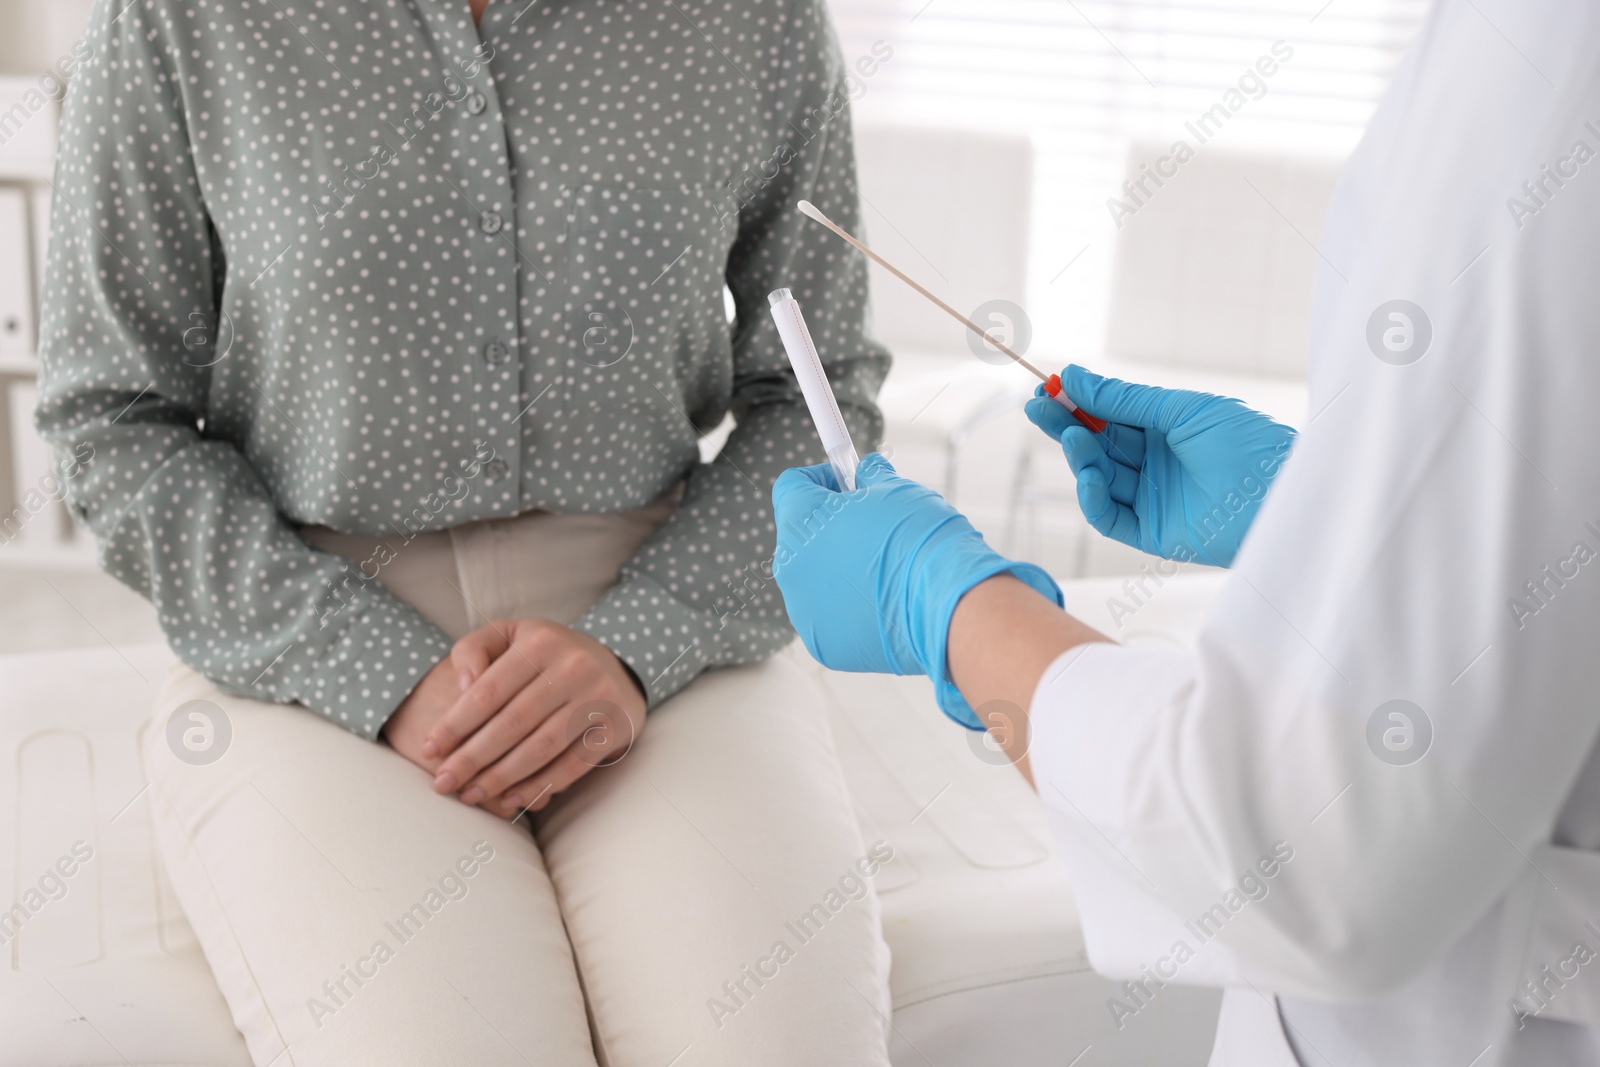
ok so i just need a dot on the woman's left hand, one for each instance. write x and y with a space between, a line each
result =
541 705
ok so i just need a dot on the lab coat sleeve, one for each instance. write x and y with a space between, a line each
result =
1254 810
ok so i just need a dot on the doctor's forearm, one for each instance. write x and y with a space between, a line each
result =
1003 636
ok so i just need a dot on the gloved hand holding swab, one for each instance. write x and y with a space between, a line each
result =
841 451
1052 382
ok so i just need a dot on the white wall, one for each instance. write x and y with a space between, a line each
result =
35 33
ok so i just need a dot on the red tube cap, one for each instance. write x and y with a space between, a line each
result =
1052 388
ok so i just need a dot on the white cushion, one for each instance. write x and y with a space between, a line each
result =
109 973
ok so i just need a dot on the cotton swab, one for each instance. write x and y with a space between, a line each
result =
1052 382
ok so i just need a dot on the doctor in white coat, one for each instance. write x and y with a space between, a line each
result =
1369 802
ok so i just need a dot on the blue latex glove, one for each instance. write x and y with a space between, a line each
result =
871 578
1177 474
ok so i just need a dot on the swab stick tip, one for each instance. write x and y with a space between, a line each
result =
808 209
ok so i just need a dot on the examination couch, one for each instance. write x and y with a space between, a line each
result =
988 959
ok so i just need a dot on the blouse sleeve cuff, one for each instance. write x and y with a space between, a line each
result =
665 642
373 665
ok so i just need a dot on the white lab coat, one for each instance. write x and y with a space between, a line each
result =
1389 563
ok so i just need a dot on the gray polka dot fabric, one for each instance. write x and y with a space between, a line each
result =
371 267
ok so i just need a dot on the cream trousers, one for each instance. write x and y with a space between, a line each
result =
705 901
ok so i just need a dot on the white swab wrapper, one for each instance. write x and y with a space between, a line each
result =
814 387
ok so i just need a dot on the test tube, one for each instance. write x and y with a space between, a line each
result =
814 387
1055 391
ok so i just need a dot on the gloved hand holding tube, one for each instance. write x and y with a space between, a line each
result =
871 564
872 577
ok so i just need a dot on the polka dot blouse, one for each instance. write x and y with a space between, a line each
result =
368 266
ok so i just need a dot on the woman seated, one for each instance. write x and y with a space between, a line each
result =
392 331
